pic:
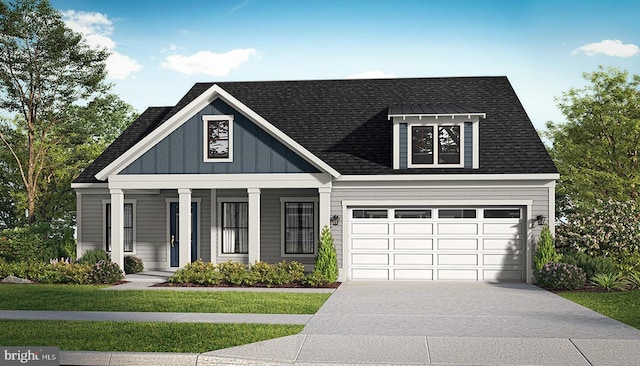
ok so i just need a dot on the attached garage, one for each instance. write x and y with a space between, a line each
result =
436 243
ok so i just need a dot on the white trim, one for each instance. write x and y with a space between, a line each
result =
316 232
205 124
134 207
255 206
436 143
78 224
183 115
213 226
460 203
220 224
396 145
552 209
220 181
168 201
528 258
448 177
475 126
89 185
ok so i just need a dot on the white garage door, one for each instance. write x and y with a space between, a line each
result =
415 243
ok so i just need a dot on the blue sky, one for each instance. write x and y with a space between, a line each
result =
161 48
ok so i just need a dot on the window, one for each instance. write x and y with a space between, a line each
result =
299 228
218 138
429 148
456 214
128 227
412 214
502 213
235 228
369 214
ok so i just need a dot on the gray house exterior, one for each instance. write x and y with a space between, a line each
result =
418 179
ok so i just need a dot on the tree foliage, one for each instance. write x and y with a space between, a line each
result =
45 69
597 149
326 262
546 250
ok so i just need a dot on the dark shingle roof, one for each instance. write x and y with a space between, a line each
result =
345 122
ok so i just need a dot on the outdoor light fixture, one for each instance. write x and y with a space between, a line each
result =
335 220
540 220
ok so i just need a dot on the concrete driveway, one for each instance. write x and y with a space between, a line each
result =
421 323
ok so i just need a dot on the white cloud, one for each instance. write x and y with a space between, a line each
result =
96 29
609 47
371 74
209 63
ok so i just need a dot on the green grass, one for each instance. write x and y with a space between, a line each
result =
622 306
137 336
93 298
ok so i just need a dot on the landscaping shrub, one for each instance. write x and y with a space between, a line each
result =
199 273
634 280
590 265
37 242
93 256
287 272
545 251
605 229
560 276
133 264
236 273
325 269
29 270
63 272
609 281
106 272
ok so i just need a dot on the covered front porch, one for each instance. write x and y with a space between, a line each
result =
239 217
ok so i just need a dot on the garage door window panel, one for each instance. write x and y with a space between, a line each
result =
456 214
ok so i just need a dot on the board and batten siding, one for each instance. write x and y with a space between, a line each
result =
409 195
254 150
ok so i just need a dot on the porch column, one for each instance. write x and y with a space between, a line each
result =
254 224
117 227
184 207
324 209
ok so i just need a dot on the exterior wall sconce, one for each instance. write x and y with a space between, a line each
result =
540 220
335 220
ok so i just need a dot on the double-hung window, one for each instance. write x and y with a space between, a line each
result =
129 230
235 228
436 145
299 227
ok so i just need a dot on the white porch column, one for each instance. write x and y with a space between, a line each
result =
254 224
184 206
213 229
324 209
117 227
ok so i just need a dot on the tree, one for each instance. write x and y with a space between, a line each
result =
597 149
45 69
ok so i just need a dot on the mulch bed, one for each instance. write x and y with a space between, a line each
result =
289 285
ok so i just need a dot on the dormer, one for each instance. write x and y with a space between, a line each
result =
435 135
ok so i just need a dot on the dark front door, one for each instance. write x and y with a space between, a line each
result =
174 233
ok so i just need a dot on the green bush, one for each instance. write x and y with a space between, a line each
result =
634 280
325 269
545 251
287 272
106 272
610 281
36 242
133 264
560 276
590 265
93 256
236 273
28 270
71 273
199 273
264 273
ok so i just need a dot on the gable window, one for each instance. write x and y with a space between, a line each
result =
218 138
235 228
435 145
129 229
299 228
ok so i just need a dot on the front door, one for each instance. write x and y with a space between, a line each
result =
174 233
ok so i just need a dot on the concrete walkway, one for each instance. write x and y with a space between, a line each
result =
426 324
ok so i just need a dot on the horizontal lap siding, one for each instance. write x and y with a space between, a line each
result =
92 222
539 196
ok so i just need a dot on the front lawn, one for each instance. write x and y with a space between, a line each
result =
93 298
622 306
110 336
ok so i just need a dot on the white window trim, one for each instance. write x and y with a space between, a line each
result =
316 233
205 132
220 254
168 202
134 203
435 145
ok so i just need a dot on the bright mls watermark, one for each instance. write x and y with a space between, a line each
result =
33 356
